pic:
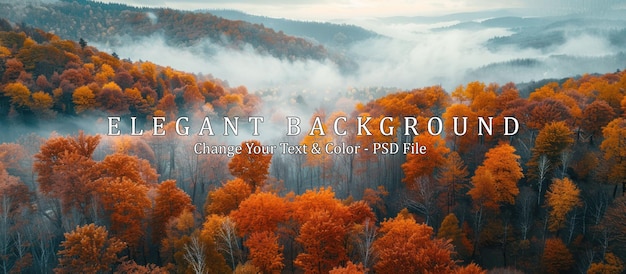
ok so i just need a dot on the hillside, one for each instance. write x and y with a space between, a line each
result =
335 35
49 78
116 25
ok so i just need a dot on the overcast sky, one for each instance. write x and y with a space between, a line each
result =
328 10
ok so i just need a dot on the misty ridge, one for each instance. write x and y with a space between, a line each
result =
410 56
365 59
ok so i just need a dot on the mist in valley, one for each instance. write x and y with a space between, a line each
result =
407 55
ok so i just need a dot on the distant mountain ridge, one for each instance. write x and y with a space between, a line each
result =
322 32
112 23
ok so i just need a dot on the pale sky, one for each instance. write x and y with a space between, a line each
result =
328 10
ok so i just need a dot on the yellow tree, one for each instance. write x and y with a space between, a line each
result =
105 75
472 90
611 265
614 148
41 103
84 99
179 235
451 230
562 197
216 262
19 95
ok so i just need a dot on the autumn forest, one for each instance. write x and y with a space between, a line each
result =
549 199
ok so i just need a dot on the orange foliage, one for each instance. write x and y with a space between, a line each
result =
260 212
65 170
374 198
403 233
453 177
562 197
41 103
251 167
322 238
551 141
265 252
611 264
13 194
88 249
425 165
614 148
595 116
320 200
495 181
126 203
228 197
350 268
131 267
470 269
170 201
12 156
556 257
19 95
120 165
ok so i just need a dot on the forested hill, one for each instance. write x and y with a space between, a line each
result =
337 35
44 77
116 24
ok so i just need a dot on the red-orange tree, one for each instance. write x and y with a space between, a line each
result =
228 197
322 238
170 201
126 203
407 247
556 257
260 212
119 165
425 165
249 166
65 170
88 249
265 252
